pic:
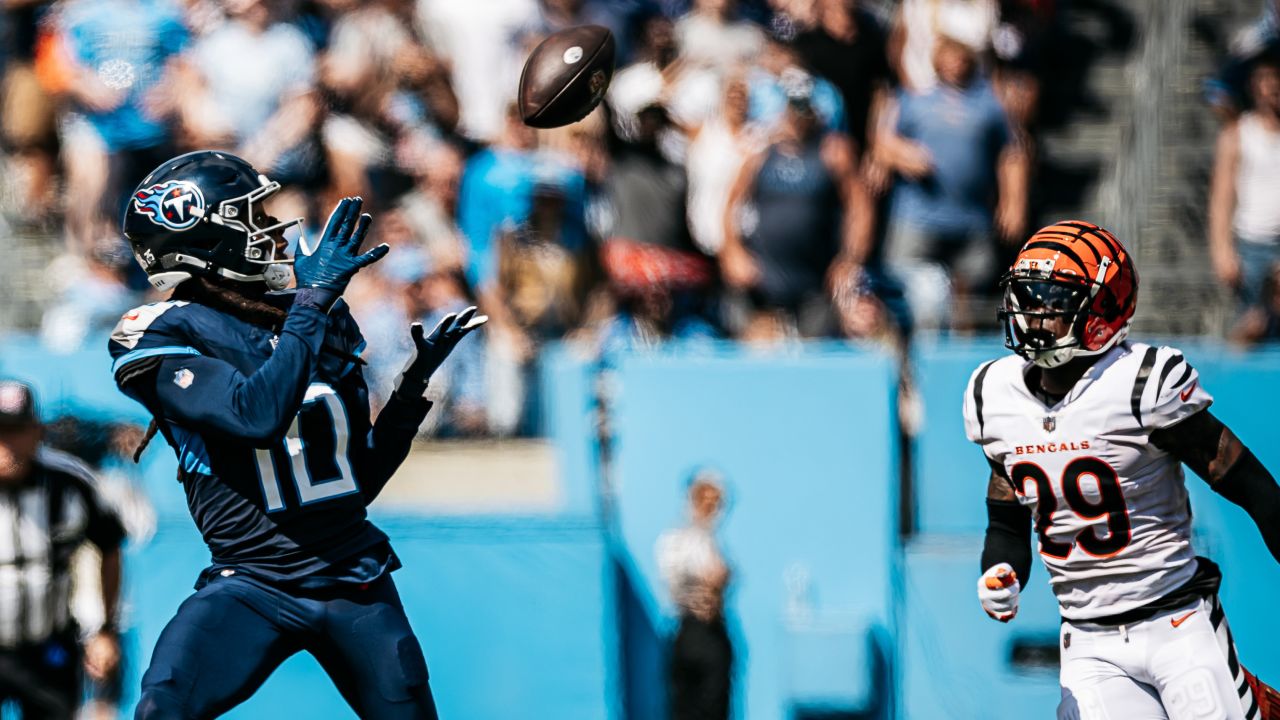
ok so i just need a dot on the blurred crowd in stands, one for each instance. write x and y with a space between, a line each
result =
1244 217
762 170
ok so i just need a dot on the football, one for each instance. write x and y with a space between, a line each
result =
566 76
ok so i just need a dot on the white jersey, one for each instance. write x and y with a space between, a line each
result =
1111 509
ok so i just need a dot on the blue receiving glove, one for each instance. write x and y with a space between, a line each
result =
324 270
429 351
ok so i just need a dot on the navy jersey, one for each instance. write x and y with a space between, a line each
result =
275 447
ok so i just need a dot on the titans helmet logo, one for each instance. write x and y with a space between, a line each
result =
173 204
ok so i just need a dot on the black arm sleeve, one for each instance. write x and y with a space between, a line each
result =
389 442
1008 537
257 408
1249 485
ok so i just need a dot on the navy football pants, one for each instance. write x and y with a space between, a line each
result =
232 633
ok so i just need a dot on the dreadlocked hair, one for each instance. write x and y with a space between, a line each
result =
146 440
231 300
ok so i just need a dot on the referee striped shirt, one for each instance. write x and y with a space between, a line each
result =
42 521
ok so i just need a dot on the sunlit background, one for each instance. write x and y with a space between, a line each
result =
773 254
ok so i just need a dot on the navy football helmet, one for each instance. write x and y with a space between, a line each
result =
203 213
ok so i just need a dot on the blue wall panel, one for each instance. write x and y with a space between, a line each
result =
78 382
569 415
956 661
807 446
950 473
514 615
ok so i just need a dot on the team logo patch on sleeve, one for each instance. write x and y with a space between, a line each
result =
173 204
183 378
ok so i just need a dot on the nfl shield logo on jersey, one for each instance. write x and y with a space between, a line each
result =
183 378
1050 424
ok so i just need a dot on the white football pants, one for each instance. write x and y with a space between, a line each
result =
1180 665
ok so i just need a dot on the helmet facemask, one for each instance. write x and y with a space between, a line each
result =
1043 319
262 247
1051 318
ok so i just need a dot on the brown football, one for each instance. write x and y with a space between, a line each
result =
566 76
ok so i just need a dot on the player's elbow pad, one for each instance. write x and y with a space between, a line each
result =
1008 538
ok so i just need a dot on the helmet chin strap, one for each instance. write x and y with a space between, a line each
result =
1056 358
1053 358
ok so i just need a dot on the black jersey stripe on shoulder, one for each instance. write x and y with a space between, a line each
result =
1216 613
1140 384
977 394
1169 366
136 368
1186 373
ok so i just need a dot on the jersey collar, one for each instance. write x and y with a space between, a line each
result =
1086 380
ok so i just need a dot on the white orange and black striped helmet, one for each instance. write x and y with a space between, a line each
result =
1071 270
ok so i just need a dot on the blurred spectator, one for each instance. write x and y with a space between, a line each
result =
88 295
431 208
420 286
694 568
709 36
658 76
1261 323
556 15
484 47
544 274
646 190
1244 217
249 85
122 54
769 87
51 506
495 193
716 153
1020 46
804 204
920 23
848 48
653 273
26 108
390 94
870 307
951 147
1228 91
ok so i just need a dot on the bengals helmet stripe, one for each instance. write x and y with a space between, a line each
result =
1073 271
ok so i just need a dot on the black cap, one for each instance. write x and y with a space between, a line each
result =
17 404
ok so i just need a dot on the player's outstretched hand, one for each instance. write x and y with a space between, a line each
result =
331 263
998 590
430 350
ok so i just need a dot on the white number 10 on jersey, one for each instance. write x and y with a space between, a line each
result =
309 489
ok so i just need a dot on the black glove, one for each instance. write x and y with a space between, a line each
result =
324 270
431 350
